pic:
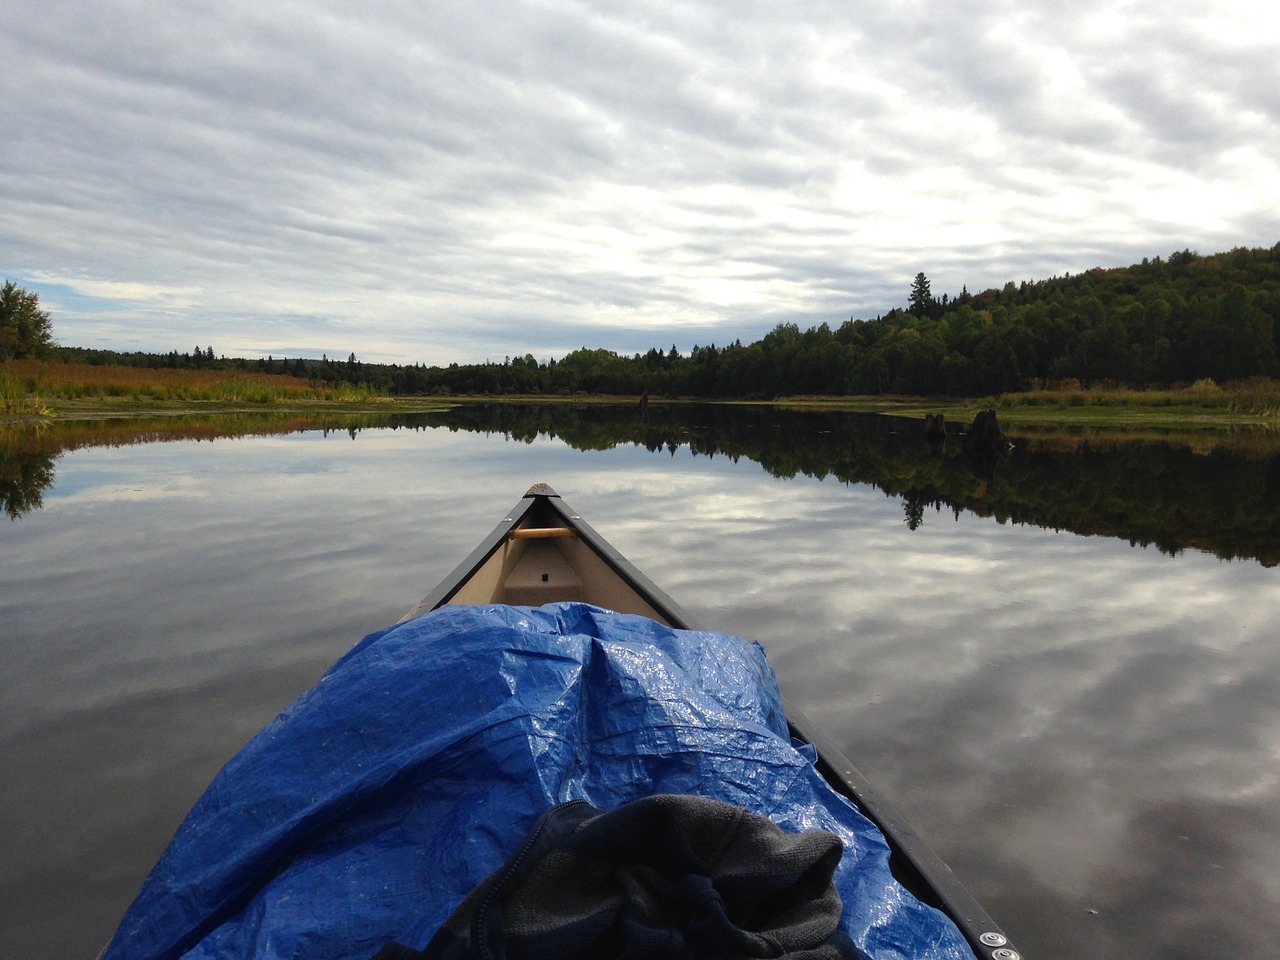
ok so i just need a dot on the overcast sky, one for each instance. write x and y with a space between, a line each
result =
450 181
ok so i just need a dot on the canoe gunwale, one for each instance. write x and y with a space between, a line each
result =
912 861
451 584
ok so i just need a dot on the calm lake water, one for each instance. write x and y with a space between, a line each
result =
1087 729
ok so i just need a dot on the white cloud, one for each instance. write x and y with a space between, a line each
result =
453 181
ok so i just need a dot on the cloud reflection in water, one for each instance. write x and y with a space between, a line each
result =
1076 724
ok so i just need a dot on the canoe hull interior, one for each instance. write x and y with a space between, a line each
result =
531 571
543 552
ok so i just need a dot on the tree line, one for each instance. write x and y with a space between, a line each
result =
1158 323
1161 322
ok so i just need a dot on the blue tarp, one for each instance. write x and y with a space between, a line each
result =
369 808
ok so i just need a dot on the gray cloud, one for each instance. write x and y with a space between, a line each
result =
450 181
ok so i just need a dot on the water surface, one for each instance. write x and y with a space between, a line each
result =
1086 728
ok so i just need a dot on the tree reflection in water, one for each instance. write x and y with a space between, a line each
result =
1217 492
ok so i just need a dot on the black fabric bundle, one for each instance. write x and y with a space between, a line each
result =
666 876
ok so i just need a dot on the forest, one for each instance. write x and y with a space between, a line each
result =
1162 322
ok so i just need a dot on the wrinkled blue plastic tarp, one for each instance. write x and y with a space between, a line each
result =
369 808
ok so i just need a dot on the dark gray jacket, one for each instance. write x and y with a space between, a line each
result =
666 876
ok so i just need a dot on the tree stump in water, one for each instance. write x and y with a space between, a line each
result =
984 434
984 443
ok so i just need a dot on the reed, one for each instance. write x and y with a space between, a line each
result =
29 384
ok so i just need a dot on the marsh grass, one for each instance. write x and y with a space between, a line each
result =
1257 397
18 397
28 387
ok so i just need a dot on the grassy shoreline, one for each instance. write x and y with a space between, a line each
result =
117 408
1203 405
44 390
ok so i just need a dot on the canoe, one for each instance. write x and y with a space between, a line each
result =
545 677
543 551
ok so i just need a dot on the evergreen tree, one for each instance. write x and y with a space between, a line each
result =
921 299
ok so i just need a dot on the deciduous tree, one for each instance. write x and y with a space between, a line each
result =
25 330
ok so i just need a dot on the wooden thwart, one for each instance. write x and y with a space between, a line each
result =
541 533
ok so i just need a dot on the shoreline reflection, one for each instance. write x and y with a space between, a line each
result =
1223 500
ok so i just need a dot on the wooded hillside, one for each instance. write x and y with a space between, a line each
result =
1157 323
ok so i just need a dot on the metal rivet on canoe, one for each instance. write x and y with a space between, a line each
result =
993 939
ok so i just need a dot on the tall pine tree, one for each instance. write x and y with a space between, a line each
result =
920 299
